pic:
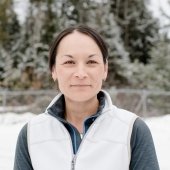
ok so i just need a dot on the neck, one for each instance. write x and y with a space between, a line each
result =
77 112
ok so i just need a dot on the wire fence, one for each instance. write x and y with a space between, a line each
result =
142 102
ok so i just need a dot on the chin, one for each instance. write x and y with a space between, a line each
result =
81 96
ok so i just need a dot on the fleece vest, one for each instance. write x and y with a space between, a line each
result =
105 146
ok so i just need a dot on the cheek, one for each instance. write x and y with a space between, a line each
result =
98 78
63 76
99 81
99 74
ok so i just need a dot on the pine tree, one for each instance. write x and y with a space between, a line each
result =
126 26
9 37
139 29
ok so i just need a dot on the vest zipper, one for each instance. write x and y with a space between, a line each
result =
73 163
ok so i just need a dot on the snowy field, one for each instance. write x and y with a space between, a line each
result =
10 125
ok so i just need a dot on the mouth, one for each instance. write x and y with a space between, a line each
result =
80 85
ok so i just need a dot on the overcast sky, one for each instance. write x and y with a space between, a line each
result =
155 6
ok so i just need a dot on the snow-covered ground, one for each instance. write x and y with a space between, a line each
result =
10 125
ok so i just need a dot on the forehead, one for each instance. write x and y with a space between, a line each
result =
78 40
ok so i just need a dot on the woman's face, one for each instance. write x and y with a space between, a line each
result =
79 67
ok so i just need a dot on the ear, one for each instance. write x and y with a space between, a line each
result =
54 74
105 71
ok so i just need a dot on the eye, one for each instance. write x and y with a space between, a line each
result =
69 62
92 62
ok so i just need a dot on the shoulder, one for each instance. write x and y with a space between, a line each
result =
22 157
123 116
22 142
38 118
22 137
143 154
140 131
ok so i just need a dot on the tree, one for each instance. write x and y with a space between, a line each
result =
139 28
155 75
9 36
126 26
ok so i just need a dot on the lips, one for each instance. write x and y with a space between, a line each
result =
80 85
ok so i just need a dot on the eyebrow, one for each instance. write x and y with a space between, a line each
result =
70 56
67 55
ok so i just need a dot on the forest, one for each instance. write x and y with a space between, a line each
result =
139 52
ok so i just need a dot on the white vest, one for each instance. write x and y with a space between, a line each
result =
105 146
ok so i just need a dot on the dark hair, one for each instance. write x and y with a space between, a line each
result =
82 29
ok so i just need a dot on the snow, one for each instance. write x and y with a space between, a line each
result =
160 129
11 123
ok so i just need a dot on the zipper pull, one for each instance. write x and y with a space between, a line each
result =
73 163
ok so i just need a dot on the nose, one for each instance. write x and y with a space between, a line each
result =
80 72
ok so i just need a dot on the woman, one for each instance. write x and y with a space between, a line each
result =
81 129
